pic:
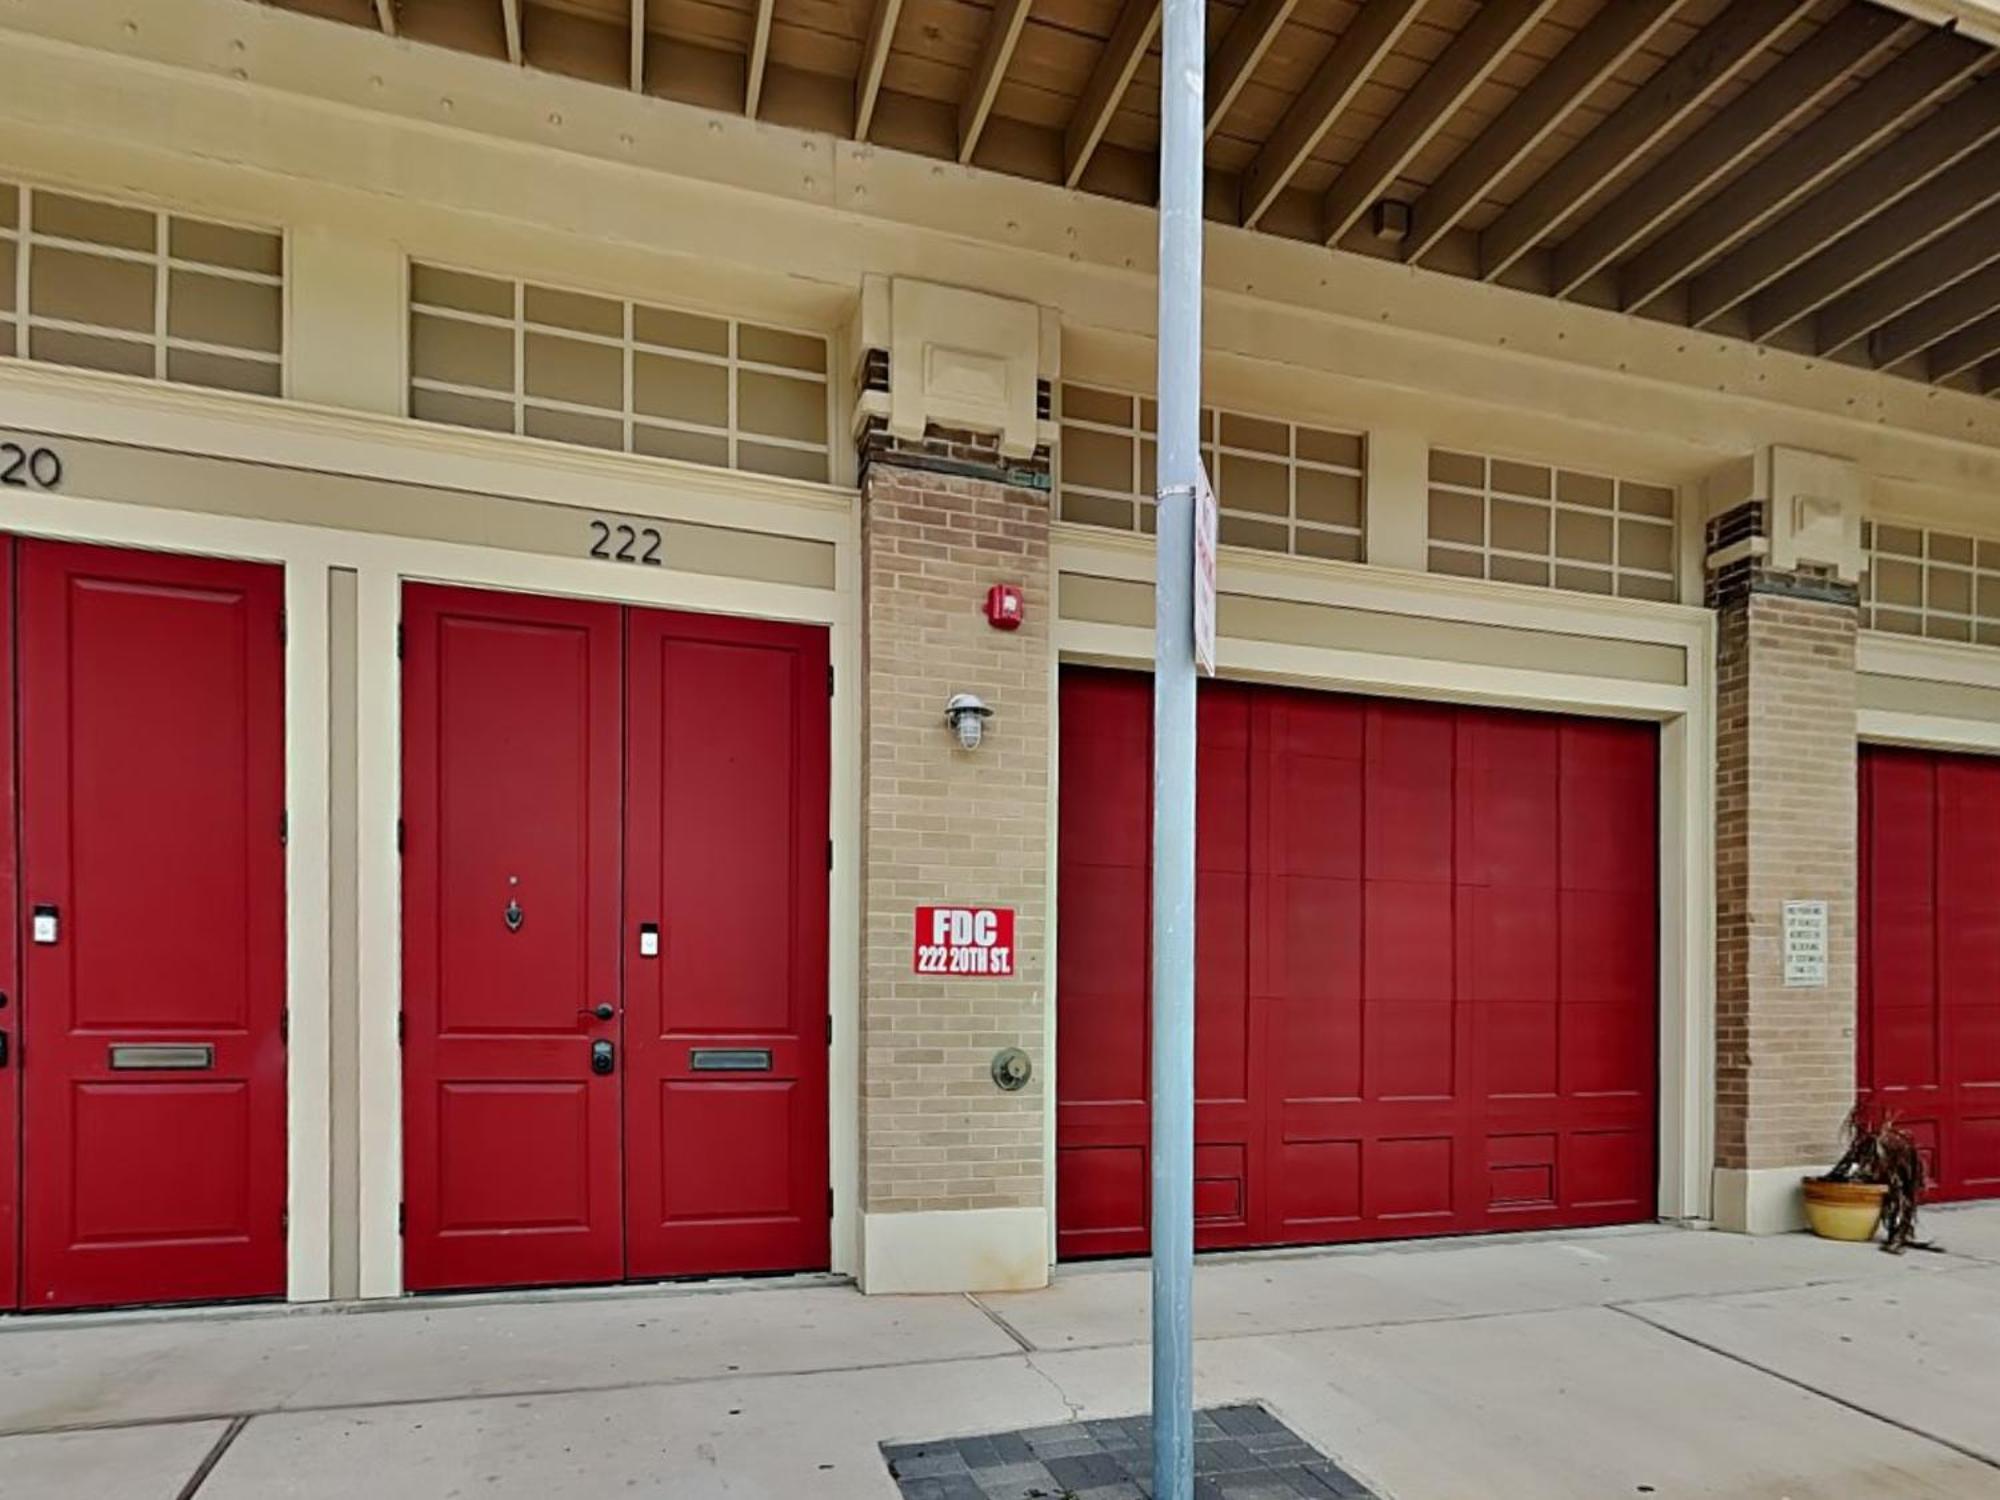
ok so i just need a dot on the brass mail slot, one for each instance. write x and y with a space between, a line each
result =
730 1059
162 1057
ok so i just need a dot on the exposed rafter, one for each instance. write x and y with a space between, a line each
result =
1863 120
1972 247
1855 283
1935 319
1572 76
510 22
1138 24
874 58
1799 84
1969 348
760 56
1685 82
1256 26
1357 53
1466 63
1883 181
638 46
1002 36
1989 377
385 16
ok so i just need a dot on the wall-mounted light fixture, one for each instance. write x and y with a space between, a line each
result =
967 714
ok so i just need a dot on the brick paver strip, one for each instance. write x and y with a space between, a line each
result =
1241 1453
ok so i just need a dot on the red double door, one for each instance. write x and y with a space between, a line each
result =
1426 968
614 942
142 946
1928 1043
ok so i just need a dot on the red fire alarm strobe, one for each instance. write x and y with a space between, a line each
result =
1003 607
972 942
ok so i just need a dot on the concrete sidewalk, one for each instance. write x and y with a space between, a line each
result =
1649 1361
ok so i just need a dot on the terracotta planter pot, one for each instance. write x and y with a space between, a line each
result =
1844 1210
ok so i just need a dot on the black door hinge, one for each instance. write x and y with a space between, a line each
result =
829 1203
284 1221
402 1218
829 854
285 827
829 1030
284 627
285 1024
829 682
399 640
399 835
401 1028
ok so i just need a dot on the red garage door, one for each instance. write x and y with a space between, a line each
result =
1426 976
614 942
1928 1043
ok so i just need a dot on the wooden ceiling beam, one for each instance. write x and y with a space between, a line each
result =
1936 318
1797 85
1138 24
1356 54
1989 378
1682 85
385 16
1861 121
1467 61
638 46
1970 348
1859 282
1842 207
1596 52
510 23
1003 34
1257 26
874 58
760 57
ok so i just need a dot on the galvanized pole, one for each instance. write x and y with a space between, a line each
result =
1183 58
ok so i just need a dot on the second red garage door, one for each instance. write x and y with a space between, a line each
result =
1426 971
1929 1039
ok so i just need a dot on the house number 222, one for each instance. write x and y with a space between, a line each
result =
30 468
618 541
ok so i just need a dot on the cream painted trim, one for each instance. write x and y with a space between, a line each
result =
754 209
1952 667
1687 755
180 421
1762 1200
956 1250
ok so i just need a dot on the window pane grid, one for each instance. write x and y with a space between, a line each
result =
621 374
1272 492
1531 523
112 303
1938 584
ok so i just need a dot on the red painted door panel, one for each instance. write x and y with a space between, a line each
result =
1426 959
152 744
512 766
1928 1040
10 986
726 822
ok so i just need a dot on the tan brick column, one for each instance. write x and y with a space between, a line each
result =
953 1166
1785 832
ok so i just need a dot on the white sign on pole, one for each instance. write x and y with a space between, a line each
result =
1205 523
1805 945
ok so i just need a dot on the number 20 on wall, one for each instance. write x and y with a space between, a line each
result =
30 468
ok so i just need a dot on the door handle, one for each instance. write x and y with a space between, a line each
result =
605 1012
603 1057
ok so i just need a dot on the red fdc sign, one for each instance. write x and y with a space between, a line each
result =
970 942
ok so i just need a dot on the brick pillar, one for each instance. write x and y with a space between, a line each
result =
1785 831
953 1165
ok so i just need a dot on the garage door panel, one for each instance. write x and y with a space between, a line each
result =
1402 951
1103 816
1902 951
1968 966
1609 806
1967 827
1972 1042
1979 1151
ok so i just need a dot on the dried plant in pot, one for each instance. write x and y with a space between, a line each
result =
1878 1182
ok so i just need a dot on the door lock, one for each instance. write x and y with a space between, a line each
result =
602 1057
604 1012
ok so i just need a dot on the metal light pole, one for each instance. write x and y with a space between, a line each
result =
1182 135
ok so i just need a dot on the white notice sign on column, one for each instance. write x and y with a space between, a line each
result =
1805 945
1205 526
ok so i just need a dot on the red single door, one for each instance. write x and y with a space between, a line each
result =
153 889
725 946
1928 1042
10 986
511 783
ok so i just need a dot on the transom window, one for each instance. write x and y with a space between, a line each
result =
1561 528
1930 583
1280 486
108 286
607 372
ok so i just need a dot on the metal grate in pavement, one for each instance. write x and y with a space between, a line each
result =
1240 1453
